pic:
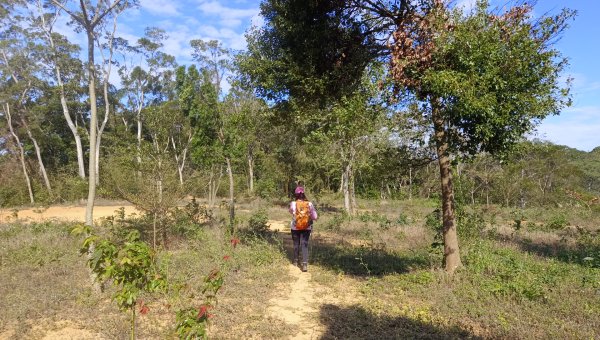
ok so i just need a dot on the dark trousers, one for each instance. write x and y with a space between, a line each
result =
300 239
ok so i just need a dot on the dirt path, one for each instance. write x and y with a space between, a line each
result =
296 305
64 213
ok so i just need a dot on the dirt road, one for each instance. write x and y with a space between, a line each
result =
62 213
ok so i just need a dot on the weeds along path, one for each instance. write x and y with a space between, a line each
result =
295 303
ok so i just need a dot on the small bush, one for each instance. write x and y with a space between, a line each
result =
335 224
470 224
557 222
266 188
402 219
258 222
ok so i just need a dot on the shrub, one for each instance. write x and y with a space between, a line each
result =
258 222
557 222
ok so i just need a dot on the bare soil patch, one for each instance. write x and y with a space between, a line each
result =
62 213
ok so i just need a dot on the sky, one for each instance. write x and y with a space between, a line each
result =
578 126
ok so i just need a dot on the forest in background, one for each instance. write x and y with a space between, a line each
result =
222 144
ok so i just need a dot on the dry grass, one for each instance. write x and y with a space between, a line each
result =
374 277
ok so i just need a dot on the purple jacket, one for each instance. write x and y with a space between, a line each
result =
313 214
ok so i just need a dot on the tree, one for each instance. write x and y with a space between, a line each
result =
197 98
20 90
60 61
8 116
215 62
483 80
144 81
310 59
89 17
348 129
312 52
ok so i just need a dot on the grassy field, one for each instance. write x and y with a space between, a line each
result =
532 274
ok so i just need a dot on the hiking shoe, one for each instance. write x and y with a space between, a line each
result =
304 267
296 262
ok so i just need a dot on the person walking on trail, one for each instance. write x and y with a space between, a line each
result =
303 214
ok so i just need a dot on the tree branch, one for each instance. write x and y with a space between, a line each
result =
73 15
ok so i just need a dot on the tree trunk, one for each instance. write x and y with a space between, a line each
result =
410 183
231 192
181 159
346 189
451 249
89 212
521 191
139 135
38 154
105 83
214 182
352 192
351 179
21 151
250 173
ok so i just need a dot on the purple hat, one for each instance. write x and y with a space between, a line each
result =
299 190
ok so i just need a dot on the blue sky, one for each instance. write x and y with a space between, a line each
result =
577 126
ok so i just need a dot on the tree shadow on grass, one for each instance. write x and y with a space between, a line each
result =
355 322
363 261
360 261
328 208
583 248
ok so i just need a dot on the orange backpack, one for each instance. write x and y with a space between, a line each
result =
302 215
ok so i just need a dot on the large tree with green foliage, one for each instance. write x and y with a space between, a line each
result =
483 80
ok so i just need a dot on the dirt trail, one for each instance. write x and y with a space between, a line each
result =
297 302
64 213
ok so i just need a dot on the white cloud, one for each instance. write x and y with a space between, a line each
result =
229 16
576 127
582 84
161 7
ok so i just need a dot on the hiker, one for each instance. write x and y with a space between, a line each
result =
303 214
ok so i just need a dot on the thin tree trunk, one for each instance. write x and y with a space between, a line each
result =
231 192
352 192
181 159
521 191
410 183
24 122
451 249
213 185
250 173
351 181
89 212
21 151
108 70
38 154
346 188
